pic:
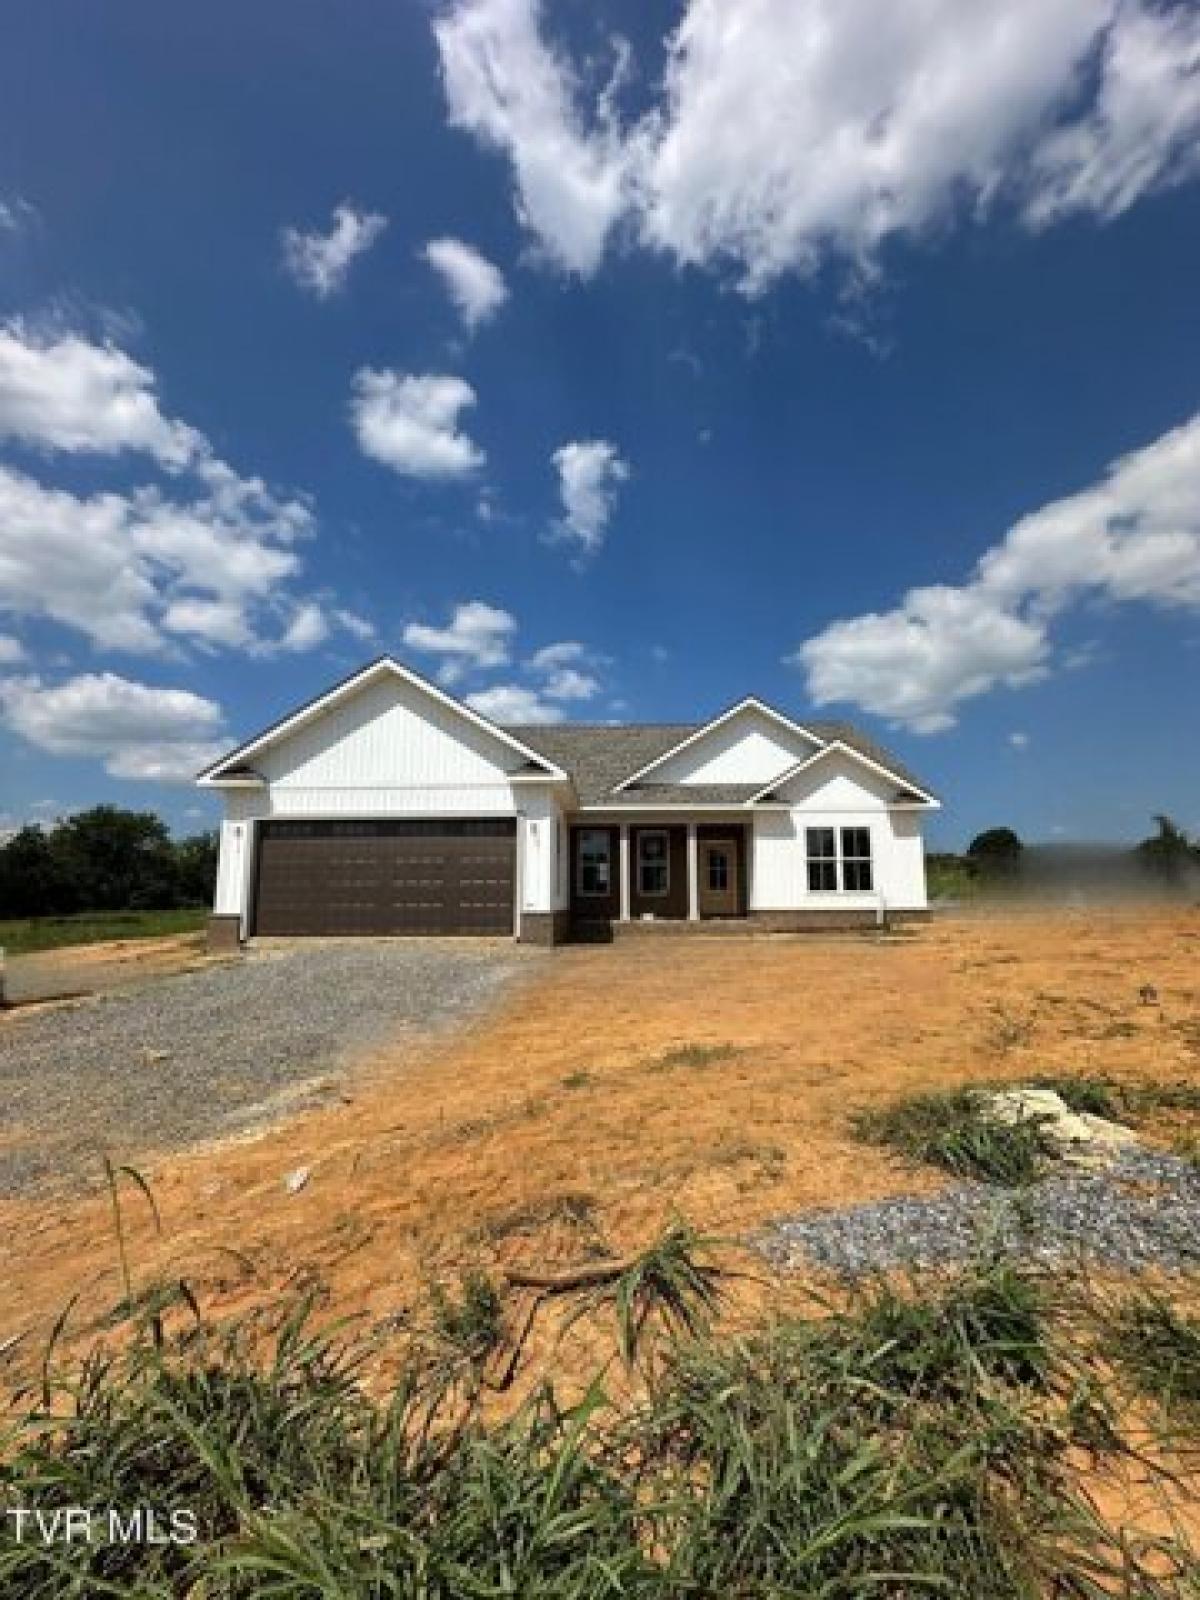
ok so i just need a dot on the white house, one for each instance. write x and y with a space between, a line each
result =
387 806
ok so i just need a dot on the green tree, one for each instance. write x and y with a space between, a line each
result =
32 883
196 869
1170 854
996 852
117 860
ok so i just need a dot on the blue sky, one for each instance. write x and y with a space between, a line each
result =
847 357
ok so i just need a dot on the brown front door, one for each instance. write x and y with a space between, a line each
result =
718 865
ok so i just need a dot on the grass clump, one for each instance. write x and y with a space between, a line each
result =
912 1441
951 1129
1097 1097
469 1323
1158 1349
693 1055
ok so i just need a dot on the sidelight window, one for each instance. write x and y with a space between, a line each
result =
653 864
595 861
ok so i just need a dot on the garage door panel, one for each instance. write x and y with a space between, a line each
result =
386 877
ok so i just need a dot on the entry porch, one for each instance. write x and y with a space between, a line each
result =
658 871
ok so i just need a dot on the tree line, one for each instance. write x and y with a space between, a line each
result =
105 859
1168 858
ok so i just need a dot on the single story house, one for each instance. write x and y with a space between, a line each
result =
388 806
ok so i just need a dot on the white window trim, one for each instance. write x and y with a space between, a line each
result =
593 894
839 858
844 859
654 833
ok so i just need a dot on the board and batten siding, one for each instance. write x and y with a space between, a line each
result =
838 792
391 751
749 748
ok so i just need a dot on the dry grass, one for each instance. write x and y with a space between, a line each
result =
626 1086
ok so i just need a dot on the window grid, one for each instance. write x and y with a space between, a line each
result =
653 864
839 858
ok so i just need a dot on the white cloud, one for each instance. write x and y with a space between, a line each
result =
137 731
568 683
475 284
63 392
306 629
135 568
561 669
786 130
514 703
1142 130
11 650
15 215
411 423
567 652
121 568
507 86
361 627
478 636
1135 536
213 622
320 262
590 471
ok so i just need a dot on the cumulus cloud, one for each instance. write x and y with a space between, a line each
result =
565 653
136 568
137 731
515 704
477 636
62 392
124 568
321 262
508 87
11 650
411 423
1133 537
307 628
590 472
475 284
788 129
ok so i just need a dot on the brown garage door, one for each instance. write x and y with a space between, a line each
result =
385 877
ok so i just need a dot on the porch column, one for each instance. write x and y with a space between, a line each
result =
693 869
623 866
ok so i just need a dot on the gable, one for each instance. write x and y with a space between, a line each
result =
837 782
391 733
749 746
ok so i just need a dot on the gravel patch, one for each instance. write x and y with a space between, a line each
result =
1143 1211
202 1054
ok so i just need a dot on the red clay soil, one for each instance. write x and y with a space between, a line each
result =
573 1119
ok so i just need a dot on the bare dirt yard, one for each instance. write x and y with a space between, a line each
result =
614 1089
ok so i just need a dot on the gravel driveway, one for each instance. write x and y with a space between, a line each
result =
200 1055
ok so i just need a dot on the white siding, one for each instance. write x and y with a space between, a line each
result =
234 857
389 733
837 793
393 751
749 748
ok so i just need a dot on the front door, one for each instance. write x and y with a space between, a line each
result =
718 859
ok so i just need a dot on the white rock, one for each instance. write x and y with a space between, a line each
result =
295 1181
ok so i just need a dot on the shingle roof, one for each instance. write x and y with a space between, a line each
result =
599 755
